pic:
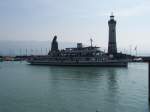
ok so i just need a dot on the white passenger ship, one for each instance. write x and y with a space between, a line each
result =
78 56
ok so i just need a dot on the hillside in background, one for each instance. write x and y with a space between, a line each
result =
29 47
13 48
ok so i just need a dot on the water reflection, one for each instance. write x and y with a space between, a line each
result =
83 80
112 90
73 89
74 72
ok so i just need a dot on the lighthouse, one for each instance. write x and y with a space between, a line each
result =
112 46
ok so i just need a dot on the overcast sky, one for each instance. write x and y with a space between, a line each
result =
76 21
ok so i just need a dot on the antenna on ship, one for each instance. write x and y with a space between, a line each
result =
91 40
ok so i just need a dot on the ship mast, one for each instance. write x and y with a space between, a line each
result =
91 40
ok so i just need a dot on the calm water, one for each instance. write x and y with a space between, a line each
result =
26 88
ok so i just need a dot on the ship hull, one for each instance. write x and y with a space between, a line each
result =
101 64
